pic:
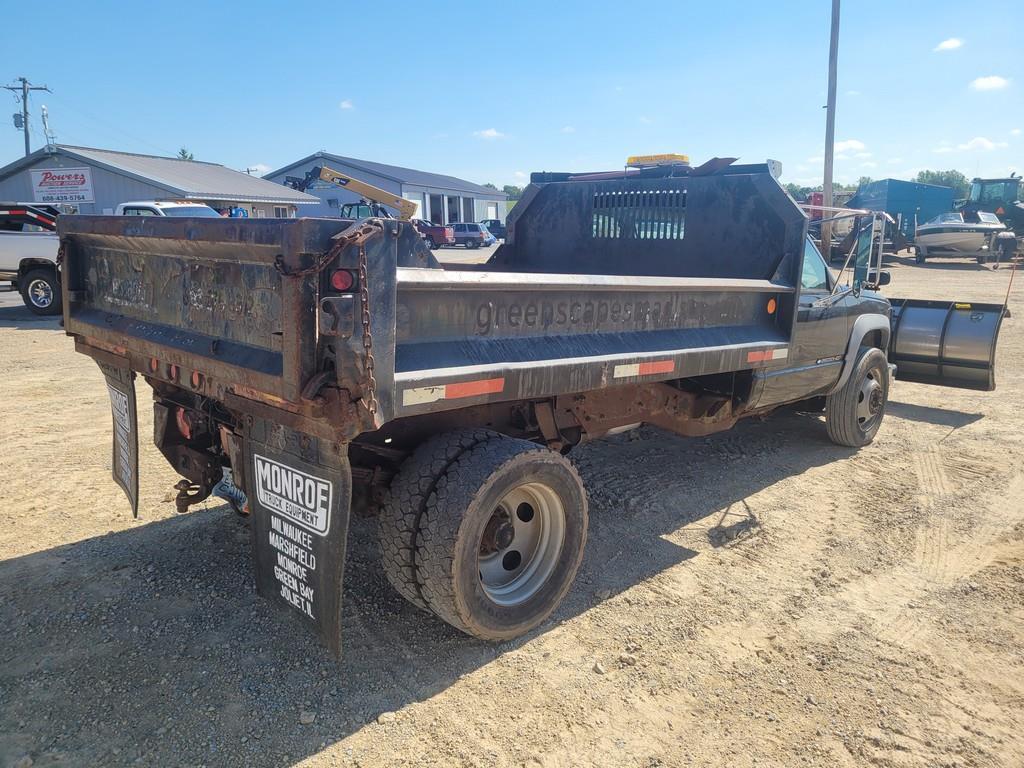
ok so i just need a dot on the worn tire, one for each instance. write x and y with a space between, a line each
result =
431 244
399 520
844 409
28 295
453 526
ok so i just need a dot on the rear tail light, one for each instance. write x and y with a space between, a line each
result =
342 280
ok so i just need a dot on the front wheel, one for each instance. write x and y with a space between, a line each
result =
431 244
854 413
40 290
501 538
921 255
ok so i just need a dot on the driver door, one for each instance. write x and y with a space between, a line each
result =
822 323
819 338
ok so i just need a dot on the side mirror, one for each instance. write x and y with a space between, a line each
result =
862 258
878 279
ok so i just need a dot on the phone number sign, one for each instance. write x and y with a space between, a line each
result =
62 185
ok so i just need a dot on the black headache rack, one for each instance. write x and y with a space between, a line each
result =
601 284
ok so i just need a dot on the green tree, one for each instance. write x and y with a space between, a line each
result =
954 179
798 192
864 181
491 186
513 192
184 154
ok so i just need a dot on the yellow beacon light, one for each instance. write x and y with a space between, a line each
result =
646 161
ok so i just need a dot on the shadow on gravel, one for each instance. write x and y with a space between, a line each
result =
21 318
944 417
149 646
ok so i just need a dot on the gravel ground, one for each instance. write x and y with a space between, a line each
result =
760 597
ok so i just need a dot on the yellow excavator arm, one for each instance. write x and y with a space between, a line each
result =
406 208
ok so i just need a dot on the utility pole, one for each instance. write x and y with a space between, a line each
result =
25 87
830 133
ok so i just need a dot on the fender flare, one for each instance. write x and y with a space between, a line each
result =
863 325
27 265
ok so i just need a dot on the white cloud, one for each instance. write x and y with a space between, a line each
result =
944 149
980 142
258 169
520 174
853 93
862 155
894 160
568 129
489 133
850 144
869 164
949 45
346 104
645 120
1015 132
990 83
816 159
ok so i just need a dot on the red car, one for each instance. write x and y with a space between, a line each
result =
436 235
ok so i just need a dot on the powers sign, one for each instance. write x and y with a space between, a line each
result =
62 185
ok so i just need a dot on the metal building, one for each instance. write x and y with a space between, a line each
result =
90 180
440 199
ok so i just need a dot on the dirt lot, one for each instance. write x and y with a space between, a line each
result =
761 597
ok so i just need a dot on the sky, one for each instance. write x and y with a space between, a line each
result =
490 92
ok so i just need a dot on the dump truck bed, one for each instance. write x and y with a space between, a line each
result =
249 307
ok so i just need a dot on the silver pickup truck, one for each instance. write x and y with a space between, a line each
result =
28 255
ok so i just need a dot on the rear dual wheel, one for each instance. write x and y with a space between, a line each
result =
498 540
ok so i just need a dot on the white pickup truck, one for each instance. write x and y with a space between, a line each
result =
28 255
165 208
28 246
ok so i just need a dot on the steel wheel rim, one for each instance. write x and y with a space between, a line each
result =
40 293
870 399
514 571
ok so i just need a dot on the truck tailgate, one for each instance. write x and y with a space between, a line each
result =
206 293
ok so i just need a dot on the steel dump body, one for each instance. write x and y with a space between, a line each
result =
216 297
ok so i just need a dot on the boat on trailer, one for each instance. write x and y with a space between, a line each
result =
957 233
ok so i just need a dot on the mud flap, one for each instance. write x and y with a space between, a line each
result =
125 461
299 490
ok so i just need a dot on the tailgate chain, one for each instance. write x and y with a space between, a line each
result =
358 238
364 301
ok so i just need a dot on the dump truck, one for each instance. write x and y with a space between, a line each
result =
336 367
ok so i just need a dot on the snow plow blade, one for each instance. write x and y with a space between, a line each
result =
949 344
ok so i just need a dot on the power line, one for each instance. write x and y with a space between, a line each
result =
25 87
64 103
